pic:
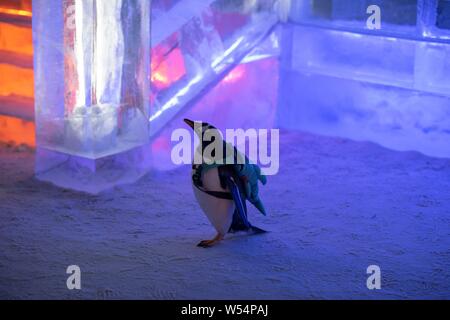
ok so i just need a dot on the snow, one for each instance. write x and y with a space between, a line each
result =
336 207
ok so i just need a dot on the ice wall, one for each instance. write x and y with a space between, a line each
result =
390 86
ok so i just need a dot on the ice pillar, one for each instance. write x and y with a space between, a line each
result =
92 73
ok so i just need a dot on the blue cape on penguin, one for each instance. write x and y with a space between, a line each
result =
238 176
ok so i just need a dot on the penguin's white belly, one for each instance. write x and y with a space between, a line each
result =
219 211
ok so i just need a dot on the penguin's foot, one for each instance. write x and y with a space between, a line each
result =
210 243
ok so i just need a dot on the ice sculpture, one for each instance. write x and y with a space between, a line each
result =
390 86
92 72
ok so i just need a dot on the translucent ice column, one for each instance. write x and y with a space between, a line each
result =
92 73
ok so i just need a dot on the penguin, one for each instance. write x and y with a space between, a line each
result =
222 189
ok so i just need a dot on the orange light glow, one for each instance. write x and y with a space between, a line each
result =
17 131
16 12
235 74
166 68
158 78
17 39
16 81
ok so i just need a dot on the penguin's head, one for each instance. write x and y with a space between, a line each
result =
206 133
199 127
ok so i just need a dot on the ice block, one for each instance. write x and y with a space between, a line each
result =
92 72
389 86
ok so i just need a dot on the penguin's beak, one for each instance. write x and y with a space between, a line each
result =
190 123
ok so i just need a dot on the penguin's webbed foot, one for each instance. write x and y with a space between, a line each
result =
206 243
210 243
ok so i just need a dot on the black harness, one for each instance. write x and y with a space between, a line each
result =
197 181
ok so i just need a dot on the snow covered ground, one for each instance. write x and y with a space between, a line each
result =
336 207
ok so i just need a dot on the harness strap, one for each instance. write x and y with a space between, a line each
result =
197 181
